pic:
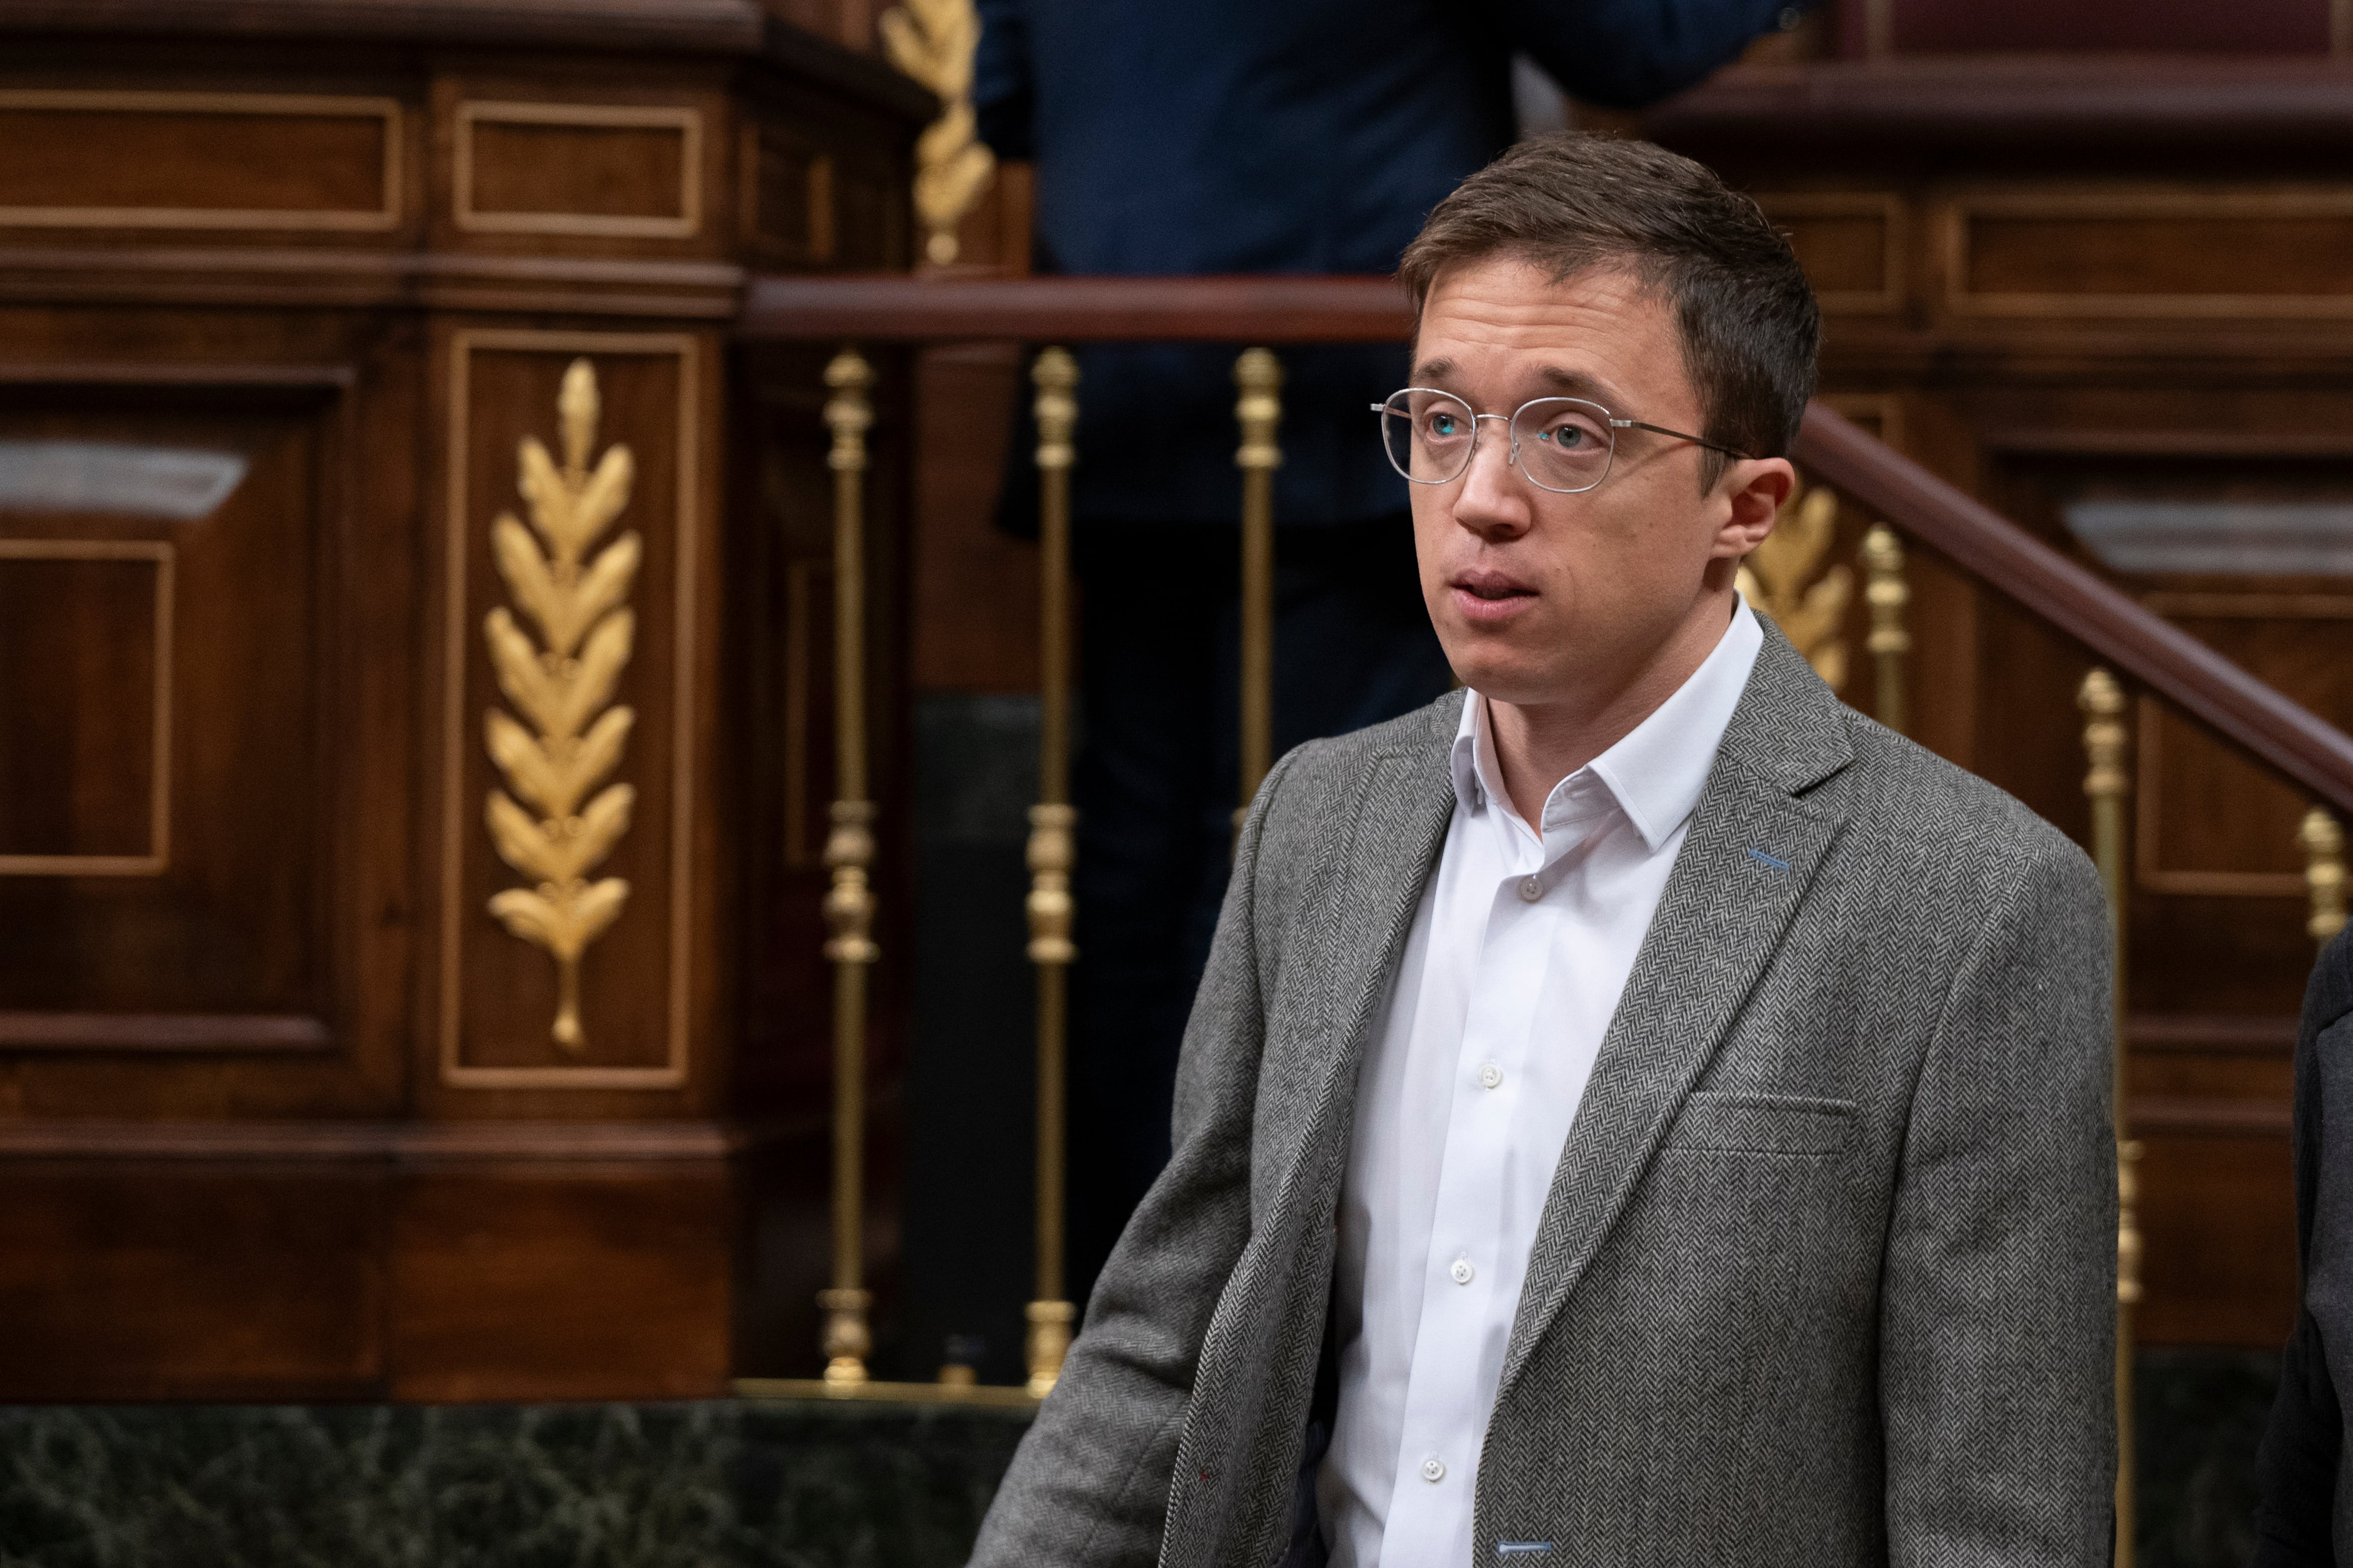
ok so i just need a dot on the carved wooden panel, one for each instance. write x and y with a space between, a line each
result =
2150 252
1851 244
499 995
86 638
152 159
164 772
616 171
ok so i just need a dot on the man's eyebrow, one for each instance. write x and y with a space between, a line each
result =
1574 383
1568 382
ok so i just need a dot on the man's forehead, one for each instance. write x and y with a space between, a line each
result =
1594 333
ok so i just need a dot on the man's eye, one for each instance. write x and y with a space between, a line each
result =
1442 425
1562 435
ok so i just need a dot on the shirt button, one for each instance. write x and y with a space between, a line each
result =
1462 1271
1433 1468
1531 890
1490 1076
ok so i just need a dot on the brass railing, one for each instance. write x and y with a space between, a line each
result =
1793 578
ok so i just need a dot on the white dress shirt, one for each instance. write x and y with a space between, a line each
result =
1510 976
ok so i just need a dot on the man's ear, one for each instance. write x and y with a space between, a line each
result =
1757 487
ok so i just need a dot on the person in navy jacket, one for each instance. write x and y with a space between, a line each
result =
1235 136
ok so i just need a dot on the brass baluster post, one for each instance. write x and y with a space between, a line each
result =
2324 873
1887 593
2103 705
1259 376
849 851
1053 850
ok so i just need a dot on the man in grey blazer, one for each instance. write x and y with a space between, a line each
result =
1638 1110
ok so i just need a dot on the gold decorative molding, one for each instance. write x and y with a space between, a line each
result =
160 554
1258 378
1887 594
563 684
932 41
456 619
67 101
2106 782
685 120
1779 577
2324 873
848 908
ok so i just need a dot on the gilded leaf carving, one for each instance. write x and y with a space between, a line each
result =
562 682
934 41
1779 577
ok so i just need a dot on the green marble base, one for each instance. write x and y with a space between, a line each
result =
720 1485
816 1483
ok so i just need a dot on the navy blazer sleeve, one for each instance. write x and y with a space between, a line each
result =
2295 1470
1629 54
1004 91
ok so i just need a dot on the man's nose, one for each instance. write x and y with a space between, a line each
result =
1493 500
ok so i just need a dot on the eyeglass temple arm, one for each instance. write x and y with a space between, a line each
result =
1681 436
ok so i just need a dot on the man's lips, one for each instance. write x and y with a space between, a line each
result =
1489 596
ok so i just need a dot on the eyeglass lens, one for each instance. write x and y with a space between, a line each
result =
1564 442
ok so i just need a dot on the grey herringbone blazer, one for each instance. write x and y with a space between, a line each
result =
1827 1271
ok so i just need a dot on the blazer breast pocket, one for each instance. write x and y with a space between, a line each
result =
1736 1121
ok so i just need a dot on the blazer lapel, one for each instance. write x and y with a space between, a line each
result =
1376 884
1751 851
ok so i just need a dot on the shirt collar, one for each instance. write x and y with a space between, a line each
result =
1657 771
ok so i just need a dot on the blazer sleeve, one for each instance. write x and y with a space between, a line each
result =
1090 1483
2295 1468
1998 1305
1629 54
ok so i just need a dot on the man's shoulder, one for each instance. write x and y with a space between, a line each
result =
1904 802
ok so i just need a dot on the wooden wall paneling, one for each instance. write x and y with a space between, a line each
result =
2223 252
584 163
1852 245
206 1262
282 817
175 161
535 1262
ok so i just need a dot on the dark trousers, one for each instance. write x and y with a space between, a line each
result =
1156 784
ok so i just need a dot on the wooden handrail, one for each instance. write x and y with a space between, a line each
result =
2147 648
1274 309
1290 309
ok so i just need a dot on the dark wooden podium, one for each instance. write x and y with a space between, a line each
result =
321 327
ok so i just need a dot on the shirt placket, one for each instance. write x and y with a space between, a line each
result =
1438 1455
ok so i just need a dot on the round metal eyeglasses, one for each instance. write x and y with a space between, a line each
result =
1562 444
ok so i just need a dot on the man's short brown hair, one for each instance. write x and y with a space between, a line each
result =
1751 330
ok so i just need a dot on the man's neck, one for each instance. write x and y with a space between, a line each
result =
1539 745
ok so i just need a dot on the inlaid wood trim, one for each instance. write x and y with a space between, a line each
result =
1888 208
685 119
242 1034
457 637
1952 217
159 812
385 216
